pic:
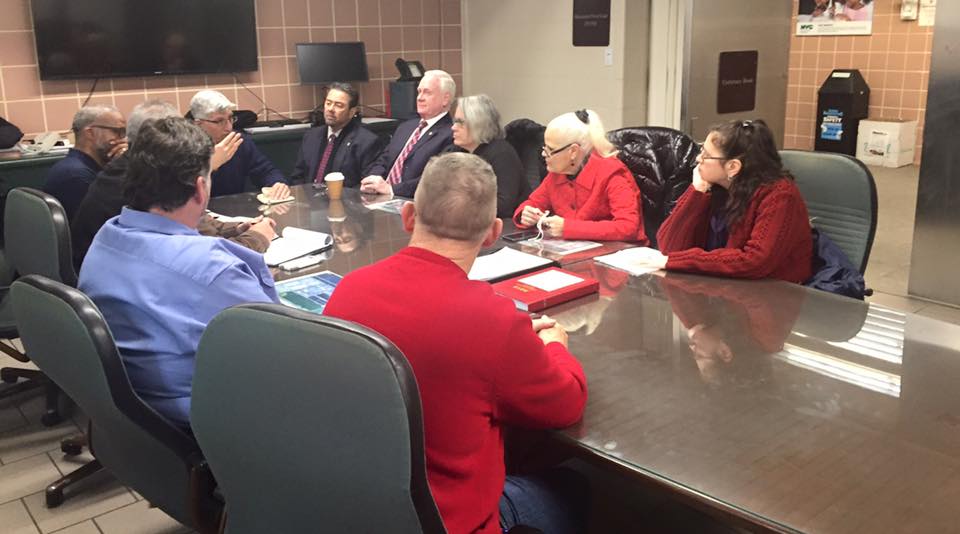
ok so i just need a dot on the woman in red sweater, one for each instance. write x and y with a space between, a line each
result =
588 192
742 216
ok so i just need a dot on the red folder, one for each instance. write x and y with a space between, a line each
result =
537 291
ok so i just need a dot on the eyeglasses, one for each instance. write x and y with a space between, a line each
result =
232 119
703 157
549 153
120 131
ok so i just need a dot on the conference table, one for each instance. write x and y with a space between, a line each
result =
766 404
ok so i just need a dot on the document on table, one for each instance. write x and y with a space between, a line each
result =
505 262
227 218
561 247
389 206
294 243
635 261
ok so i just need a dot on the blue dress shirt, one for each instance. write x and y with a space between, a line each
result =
69 179
248 163
158 283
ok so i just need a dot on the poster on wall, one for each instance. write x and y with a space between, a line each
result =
591 22
835 17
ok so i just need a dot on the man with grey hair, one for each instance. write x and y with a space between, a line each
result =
101 135
397 169
104 198
212 111
480 364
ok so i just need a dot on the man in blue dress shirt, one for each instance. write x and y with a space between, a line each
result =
101 135
213 112
156 280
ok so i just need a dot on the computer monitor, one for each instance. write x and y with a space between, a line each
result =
332 62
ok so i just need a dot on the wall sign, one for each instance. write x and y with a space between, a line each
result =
737 81
591 22
835 17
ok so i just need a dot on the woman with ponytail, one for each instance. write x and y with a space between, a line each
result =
742 216
588 192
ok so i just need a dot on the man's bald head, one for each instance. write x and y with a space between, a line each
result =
457 197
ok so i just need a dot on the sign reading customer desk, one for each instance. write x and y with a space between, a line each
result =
737 81
835 17
591 22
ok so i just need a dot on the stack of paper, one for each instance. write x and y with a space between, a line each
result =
505 262
635 261
264 197
294 243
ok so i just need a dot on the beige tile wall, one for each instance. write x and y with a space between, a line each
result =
894 60
427 30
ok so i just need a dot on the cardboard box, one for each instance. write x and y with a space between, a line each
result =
886 142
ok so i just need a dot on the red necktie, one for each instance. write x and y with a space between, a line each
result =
397 170
324 159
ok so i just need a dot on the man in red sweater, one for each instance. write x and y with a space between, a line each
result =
480 364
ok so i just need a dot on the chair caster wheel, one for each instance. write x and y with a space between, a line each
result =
54 497
71 449
51 419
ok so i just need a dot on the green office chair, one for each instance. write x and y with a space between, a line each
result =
338 444
841 197
69 339
37 241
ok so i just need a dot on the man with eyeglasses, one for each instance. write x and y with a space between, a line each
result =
213 113
101 135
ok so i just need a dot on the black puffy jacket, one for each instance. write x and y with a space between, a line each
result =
662 162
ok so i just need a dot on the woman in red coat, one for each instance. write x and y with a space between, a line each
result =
588 192
742 216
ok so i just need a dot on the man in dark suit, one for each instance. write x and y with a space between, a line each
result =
398 168
342 145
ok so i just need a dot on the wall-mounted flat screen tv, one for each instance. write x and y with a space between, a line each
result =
332 62
108 38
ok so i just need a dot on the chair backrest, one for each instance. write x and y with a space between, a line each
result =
662 162
68 338
841 197
308 423
526 137
37 236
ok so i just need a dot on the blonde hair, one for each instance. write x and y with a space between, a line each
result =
584 128
457 197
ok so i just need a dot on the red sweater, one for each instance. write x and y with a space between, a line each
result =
771 239
602 203
479 366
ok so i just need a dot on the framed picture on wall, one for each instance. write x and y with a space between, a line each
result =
835 17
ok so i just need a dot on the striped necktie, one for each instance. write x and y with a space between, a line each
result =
324 159
397 170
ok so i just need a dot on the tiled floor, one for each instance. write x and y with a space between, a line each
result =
30 456
30 459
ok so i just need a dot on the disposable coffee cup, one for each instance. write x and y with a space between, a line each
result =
334 182
335 212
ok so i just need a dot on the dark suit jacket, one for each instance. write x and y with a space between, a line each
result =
353 150
431 143
512 186
247 164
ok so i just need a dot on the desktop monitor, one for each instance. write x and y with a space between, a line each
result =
332 62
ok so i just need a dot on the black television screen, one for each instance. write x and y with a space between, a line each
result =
106 38
332 62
